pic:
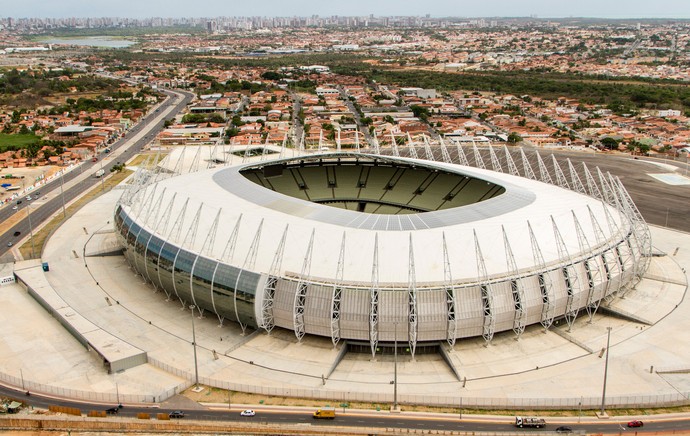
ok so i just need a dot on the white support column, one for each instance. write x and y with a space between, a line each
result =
560 177
157 208
248 265
478 162
495 163
394 146
544 175
210 241
336 297
412 315
164 231
225 257
179 165
545 284
592 267
527 168
411 147
462 159
301 294
512 168
592 188
569 275
194 167
516 287
267 321
575 181
374 300
489 322
177 229
189 242
451 298
228 254
427 149
444 151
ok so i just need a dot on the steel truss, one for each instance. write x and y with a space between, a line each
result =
512 168
249 262
226 256
591 265
544 175
489 322
301 294
267 322
337 295
412 317
495 163
451 298
478 162
569 275
462 159
516 287
374 299
527 168
545 283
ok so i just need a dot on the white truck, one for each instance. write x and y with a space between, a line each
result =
525 421
99 173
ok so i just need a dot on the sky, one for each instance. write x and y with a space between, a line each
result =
285 8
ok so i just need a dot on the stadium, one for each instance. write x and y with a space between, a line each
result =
376 250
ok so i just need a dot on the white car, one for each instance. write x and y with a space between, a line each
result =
247 412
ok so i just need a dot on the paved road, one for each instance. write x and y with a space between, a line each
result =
383 419
57 193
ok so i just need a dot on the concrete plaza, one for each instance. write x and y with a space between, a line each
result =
648 361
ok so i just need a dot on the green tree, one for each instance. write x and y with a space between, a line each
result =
514 138
610 143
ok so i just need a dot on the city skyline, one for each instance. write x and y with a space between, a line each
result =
436 8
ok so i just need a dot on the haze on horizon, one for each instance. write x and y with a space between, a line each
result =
278 8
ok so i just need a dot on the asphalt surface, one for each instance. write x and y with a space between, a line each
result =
358 418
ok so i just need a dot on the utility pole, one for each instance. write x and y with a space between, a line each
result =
196 367
31 231
62 191
395 368
606 369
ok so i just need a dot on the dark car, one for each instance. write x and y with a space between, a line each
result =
112 410
635 423
564 429
176 414
17 233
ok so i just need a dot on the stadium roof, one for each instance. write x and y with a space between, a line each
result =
222 198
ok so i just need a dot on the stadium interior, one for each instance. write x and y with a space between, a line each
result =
372 186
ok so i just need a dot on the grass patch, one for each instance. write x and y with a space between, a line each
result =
16 141
40 237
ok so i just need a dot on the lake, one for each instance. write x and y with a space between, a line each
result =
92 41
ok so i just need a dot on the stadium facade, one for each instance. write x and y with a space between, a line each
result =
374 249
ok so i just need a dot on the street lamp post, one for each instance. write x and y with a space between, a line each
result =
395 367
606 369
31 231
62 191
196 366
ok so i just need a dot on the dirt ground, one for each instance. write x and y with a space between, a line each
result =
24 177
